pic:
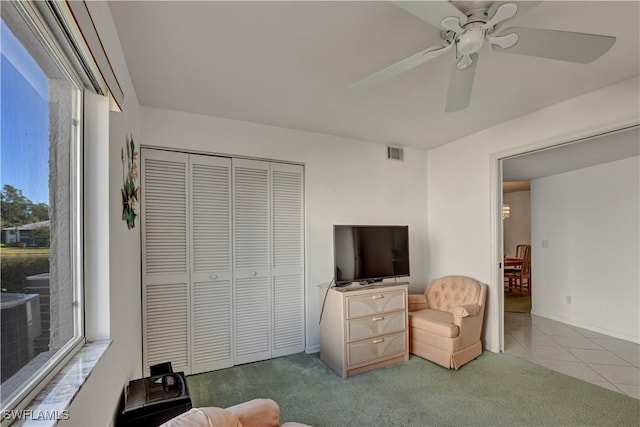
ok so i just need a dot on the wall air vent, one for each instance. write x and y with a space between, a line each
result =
395 153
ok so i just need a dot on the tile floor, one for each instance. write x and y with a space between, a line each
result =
596 358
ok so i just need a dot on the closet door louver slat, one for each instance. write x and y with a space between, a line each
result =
251 245
165 258
167 325
211 326
288 319
252 324
211 262
287 263
222 260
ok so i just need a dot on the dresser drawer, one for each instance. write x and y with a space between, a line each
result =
376 325
378 348
373 303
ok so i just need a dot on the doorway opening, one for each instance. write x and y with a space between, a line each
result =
516 238
583 203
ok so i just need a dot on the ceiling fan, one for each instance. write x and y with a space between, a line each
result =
467 32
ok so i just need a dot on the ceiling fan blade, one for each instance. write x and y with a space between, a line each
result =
523 6
432 12
495 9
561 45
504 12
401 66
460 86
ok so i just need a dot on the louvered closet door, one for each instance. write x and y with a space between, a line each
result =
165 293
211 332
252 277
287 267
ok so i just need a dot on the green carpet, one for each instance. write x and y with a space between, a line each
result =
493 390
517 303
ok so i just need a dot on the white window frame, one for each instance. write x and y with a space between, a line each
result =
34 17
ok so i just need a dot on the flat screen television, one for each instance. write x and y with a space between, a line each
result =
370 253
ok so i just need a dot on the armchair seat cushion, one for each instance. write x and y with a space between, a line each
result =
435 321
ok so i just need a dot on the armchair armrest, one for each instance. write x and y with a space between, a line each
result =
417 302
468 318
466 310
417 299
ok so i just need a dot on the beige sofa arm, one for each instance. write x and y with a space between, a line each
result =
257 412
417 302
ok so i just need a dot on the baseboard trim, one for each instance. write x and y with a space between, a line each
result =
312 349
593 328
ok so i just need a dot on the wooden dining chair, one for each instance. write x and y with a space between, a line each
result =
522 251
520 276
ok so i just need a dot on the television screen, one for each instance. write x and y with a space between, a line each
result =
370 253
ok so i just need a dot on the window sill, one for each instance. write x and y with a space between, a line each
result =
55 398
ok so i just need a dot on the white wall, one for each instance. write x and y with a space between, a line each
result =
460 178
346 182
589 219
97 401
517 228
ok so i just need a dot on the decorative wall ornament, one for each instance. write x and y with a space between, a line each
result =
130 189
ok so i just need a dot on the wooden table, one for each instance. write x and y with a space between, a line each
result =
513 262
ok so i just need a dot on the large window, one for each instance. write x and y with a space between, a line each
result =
41 253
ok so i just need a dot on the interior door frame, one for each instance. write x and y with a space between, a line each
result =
496 250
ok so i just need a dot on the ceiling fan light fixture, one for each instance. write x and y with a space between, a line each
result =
472 39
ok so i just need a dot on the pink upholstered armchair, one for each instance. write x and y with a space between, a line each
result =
445 323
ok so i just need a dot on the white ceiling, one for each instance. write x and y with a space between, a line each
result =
289 64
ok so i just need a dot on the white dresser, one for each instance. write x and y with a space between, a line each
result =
364 329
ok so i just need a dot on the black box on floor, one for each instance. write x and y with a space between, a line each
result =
150 401
160 369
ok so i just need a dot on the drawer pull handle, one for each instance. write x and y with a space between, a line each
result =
378 318
377 297
378 340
